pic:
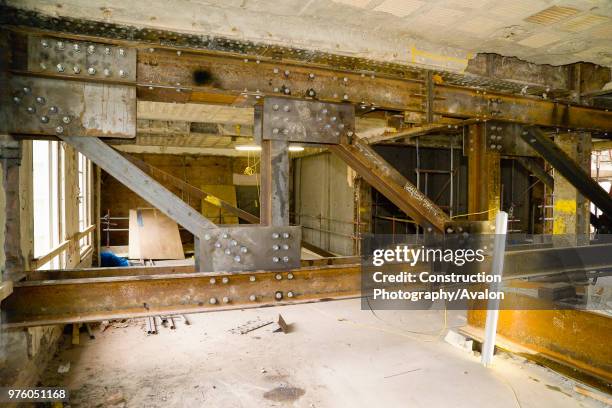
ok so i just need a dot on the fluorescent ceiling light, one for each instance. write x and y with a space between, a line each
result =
296 148
248 148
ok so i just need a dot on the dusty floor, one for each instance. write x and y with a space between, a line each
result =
335 356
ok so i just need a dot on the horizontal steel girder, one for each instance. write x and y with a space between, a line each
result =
109 293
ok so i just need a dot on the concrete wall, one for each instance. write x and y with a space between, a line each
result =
324 202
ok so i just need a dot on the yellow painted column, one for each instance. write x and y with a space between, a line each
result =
484 176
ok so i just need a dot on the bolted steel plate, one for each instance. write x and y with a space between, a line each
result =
81 59
250 248
305 121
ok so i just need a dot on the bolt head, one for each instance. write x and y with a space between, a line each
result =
16 99
285 247
237 258
225 235
213 301
289 276
287 72
122 52
289 294
76 48
107 72
275 235
59 129
44 119
40 100
122 73
278 295
26 90
225 279
228 252
91 71
275 247
53 109
107 51
31 109
43 66
285 259
275 131
278 276
225 299
212 281
44 43
91 49
59 67
76 69
252 298
66 119
60 45
252 278
207 237
217 245
345 97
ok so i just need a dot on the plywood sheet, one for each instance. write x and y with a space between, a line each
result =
153 235
212 211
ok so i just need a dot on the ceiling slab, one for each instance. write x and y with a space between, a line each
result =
449 31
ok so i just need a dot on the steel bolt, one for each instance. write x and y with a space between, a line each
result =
60 45
311 75
60 68
107 72
44 43
285 131
212 281
289 294
287 72
40 100
31 109
225 299
107 51
233 242
252 298
213 301
285 247
76 48
275 235
225 279
207 237
252 278
59 129
275 107
237 258
26 90
43 66
244 250
345 97
16 99
76 69
122 52
44 119
217 245
275 70
278 295
228 252
122 73
275 247
286 235
91 49
289 276
53 109
285 259
91 70
278 276
66 119
225 235
275 131
275 259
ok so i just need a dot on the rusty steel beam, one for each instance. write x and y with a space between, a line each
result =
35 303
389 182
213 77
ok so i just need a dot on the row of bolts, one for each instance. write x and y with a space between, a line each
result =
91 49
244 250
278 295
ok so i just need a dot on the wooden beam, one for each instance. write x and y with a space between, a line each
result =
142 184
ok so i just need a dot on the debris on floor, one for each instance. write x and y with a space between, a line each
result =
455 339
250 325
63 368
281 325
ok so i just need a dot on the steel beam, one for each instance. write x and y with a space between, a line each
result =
484 176
389 182
532 166
138 181
569 169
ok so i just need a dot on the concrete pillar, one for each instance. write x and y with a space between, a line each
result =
274 200
484 176
571 209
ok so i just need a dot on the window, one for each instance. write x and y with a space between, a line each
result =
85 194
46 211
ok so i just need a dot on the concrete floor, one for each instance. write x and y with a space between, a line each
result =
336 355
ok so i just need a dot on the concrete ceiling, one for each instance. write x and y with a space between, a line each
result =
438 33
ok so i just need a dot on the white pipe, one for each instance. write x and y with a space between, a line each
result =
499 250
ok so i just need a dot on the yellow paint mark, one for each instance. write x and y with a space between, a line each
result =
566 206
559 226
213 200
436 57
437 79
